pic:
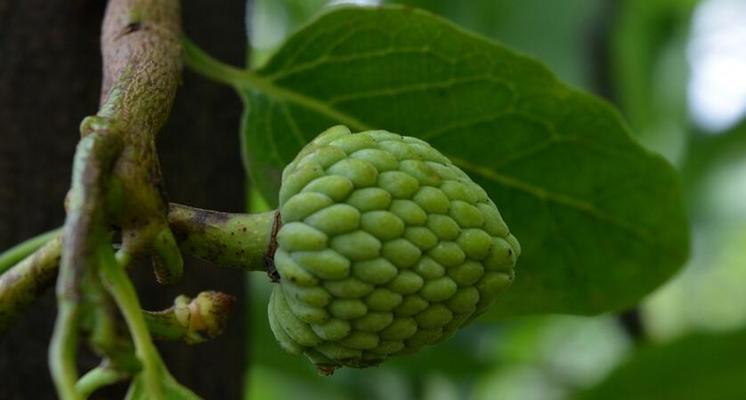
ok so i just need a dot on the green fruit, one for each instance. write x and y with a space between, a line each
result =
385 247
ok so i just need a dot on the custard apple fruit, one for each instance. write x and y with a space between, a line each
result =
385 247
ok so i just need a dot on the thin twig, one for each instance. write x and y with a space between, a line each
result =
225 239
15 254
28 280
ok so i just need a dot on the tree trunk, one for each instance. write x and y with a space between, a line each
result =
50 77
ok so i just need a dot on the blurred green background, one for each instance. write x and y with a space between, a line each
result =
677 71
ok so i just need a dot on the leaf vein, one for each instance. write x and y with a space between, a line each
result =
268 128
319 62
538 148
415 87
553 197
293 126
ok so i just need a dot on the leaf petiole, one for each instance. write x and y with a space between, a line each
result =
212 68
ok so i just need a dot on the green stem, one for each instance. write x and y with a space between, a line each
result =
84 230
27 280
97 378
13 255
168 264
204 64
119 285
229 239
164 325
63 349
99 316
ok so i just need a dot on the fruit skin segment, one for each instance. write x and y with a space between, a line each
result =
385 247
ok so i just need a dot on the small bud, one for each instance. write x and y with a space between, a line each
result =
209 313
192 320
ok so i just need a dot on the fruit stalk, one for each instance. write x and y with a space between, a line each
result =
227 239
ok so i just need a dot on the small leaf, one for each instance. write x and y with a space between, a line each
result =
702 366
601 220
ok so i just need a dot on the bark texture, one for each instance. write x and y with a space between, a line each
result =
50 78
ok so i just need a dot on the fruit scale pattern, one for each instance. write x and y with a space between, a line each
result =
385 246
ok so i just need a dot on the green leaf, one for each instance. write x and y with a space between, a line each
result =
600 219
556 32
702 366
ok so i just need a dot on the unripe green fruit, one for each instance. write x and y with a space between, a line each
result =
385 247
